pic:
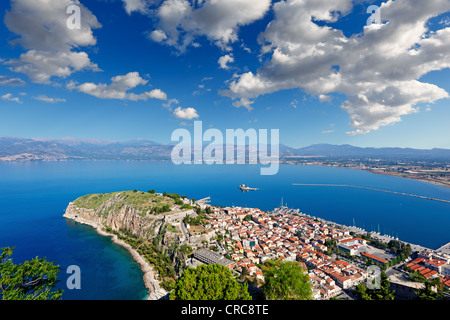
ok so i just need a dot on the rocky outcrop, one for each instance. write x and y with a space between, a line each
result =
122 217
117 216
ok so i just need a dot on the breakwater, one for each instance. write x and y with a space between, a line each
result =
371 189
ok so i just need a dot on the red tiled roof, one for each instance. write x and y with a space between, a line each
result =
373 257
418 260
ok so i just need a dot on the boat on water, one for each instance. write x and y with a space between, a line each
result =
243 187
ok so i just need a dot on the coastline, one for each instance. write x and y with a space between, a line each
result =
155 292
394 174
388 173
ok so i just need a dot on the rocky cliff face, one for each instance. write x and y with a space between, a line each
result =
118 216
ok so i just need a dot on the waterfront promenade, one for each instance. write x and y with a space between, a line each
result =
381 237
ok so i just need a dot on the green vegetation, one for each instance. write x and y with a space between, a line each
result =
433 290
93 201
415 276
145 202
31 280
395 246
186 249
248 217
209 282
166 261
285 281
199 220
383 293
172 228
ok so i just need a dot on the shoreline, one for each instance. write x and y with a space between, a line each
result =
152 285
394 174
388 173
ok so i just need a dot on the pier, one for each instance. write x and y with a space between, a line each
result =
371 189
204 200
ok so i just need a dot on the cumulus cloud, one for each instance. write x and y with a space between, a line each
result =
141 6
157 35
378 70
180 22
41 26
225 60
119 88
185 114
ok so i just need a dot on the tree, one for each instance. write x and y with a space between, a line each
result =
432 291
382 293
209 282
361 292
286 281
31 280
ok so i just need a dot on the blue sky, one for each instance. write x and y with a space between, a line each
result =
143 68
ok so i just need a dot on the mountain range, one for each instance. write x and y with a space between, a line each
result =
25 149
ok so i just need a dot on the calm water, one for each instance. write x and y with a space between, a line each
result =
33 197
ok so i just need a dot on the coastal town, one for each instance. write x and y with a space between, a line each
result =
247 237
167 233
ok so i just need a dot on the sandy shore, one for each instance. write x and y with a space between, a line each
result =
155 292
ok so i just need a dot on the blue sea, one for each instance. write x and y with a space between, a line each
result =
34 195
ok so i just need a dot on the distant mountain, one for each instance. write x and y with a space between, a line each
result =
347 151
21 149
72 149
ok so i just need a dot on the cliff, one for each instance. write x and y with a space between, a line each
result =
118 218
147 224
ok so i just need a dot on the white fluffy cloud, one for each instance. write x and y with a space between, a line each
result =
378 70
185 114
141 6
119 88
181 21
42 29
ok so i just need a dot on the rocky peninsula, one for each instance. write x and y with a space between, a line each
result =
145 223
